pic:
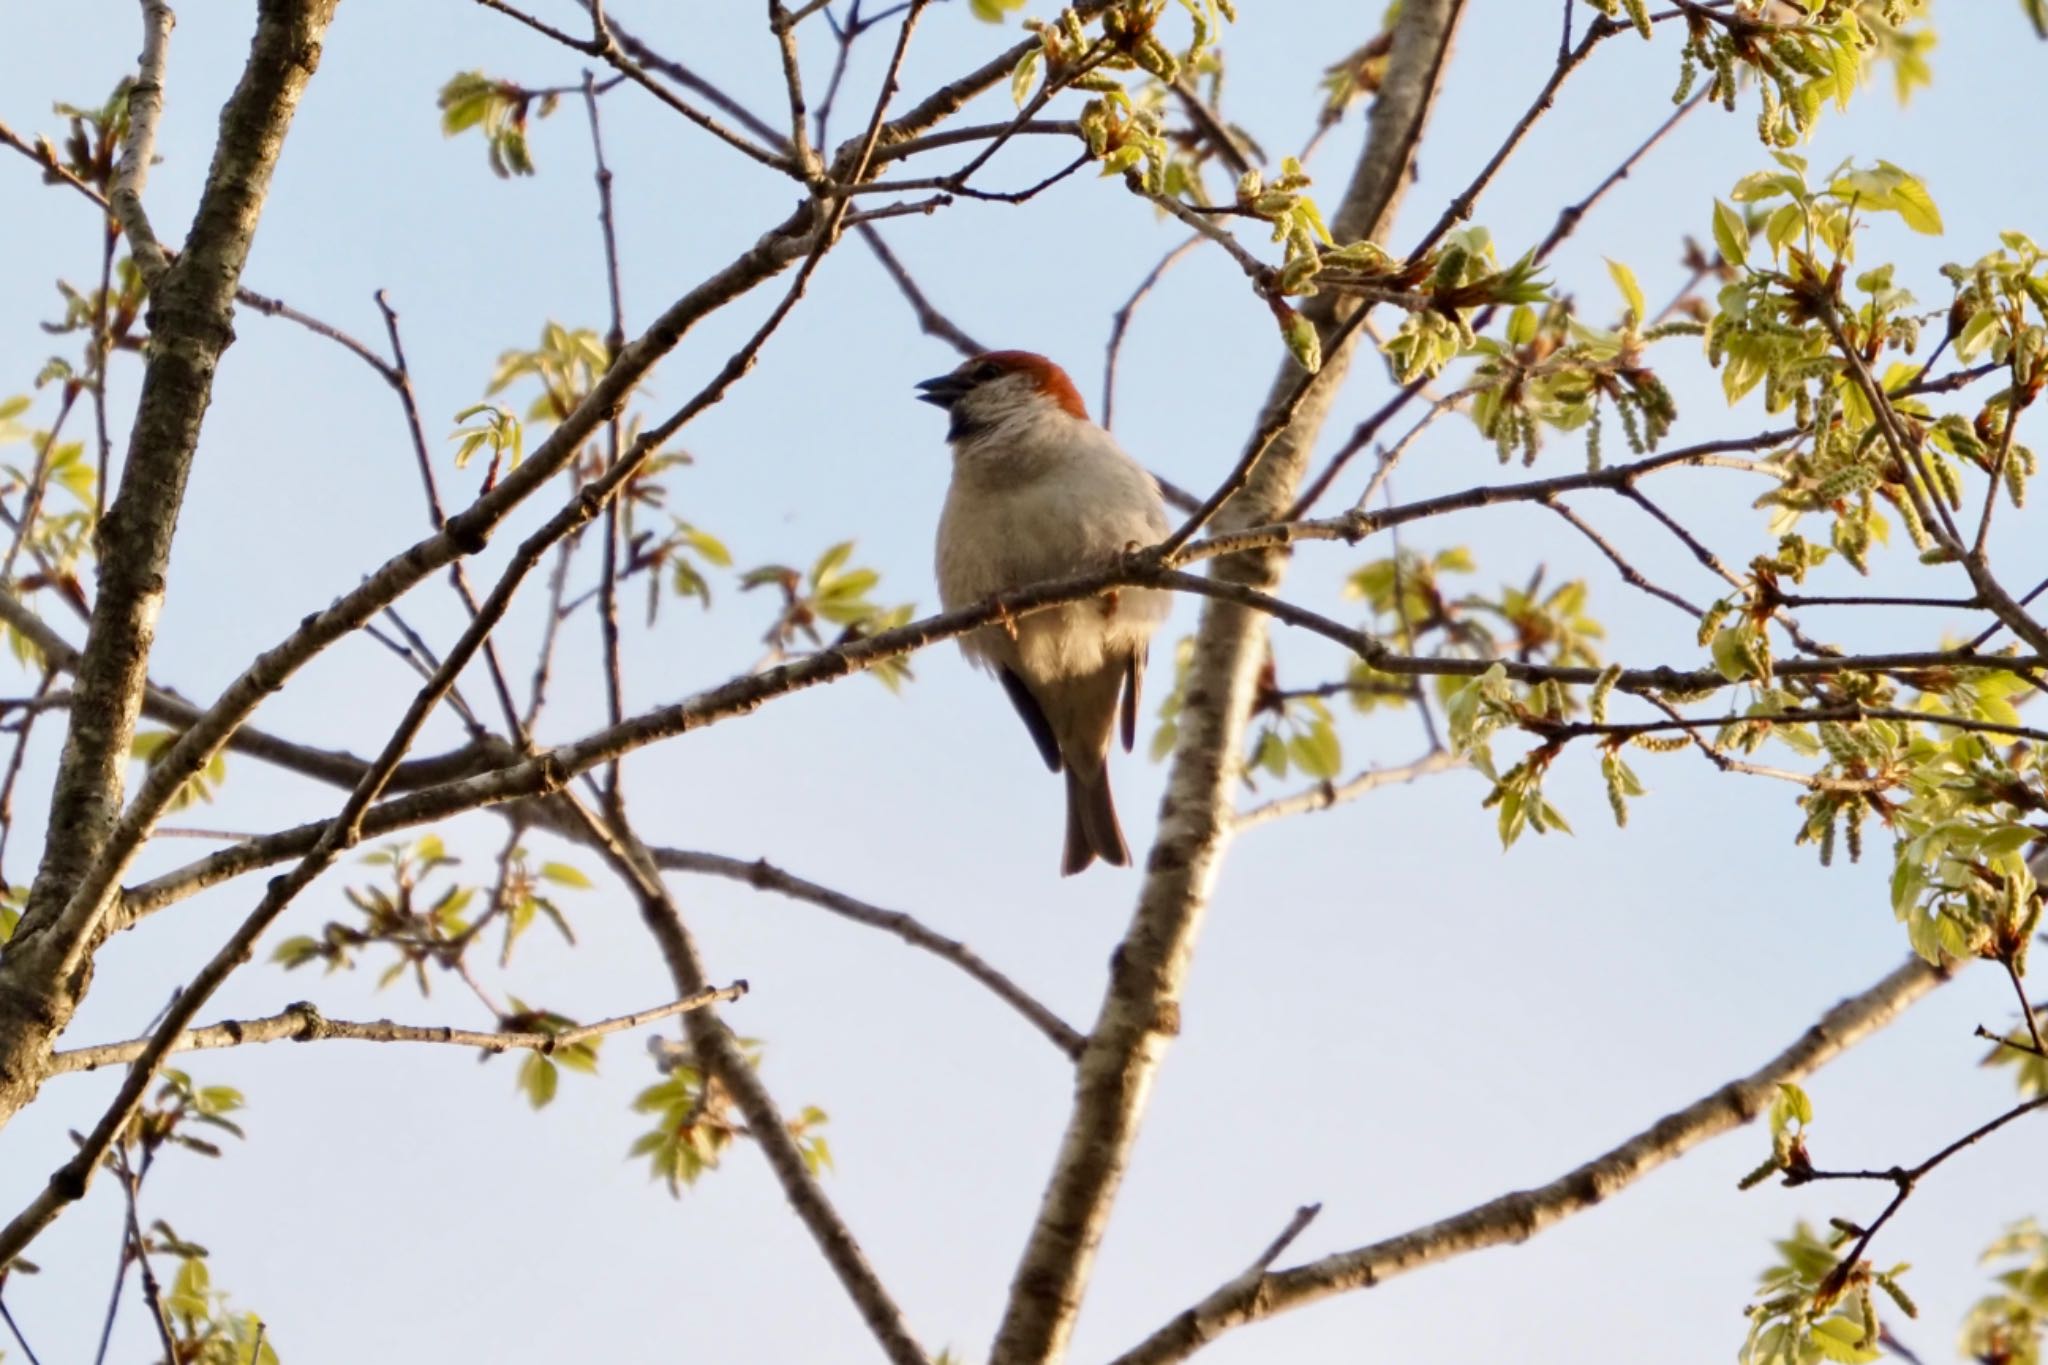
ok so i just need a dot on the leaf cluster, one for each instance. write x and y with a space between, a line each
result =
1810 1311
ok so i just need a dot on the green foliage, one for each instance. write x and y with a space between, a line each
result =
566 365
1790 1118
1551 371
695 1123
1814 1308
1170 706
151 745
58 541
1297 733
2000 303
2009 1324
836 593
424 916
121 302
11 408
92 137
429 926
1124 125
1462 276
1296 222
499 109
204 1330
540 1072
1799 333
2030 1068
1130 40
492 426
681 553
168 1119
693 1127
1960 880
1411 603
1357 75
1799 59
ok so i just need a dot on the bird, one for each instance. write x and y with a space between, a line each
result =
1040 492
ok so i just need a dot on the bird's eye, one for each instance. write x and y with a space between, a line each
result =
986 371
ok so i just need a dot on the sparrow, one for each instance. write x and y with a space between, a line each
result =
1040 492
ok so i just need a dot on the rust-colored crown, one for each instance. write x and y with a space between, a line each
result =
1052 381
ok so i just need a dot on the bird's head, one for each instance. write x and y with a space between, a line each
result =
1000 388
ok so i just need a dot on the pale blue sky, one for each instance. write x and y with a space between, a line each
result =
1386 1014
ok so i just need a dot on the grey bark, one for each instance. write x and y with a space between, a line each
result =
190 324
1141 1010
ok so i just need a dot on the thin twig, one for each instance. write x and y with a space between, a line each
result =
303 1023
1629 573
615 341
793 82
1905 1181
152 1290
14 763
1269 432
1120 322
604 49
138 148
1324 795
38 481
2019 989
398 374
19 1340
691 81
765 876
719 1053
929 319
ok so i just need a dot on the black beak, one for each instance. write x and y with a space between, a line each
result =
944 391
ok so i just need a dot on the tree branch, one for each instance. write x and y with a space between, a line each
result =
1324 795
191 310
765 876
1140 1012
303 1023
138 148
543 773
465 533
1520 1216
715 1047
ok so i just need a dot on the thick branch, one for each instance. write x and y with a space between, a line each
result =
1141 1010
190 316
332 766
546 772
1520 1216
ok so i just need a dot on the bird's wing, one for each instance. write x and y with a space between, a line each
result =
1034 717
1134 683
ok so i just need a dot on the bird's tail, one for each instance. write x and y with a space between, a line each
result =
1092 829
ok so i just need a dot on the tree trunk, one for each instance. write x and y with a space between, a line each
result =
48 964
1141 1011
